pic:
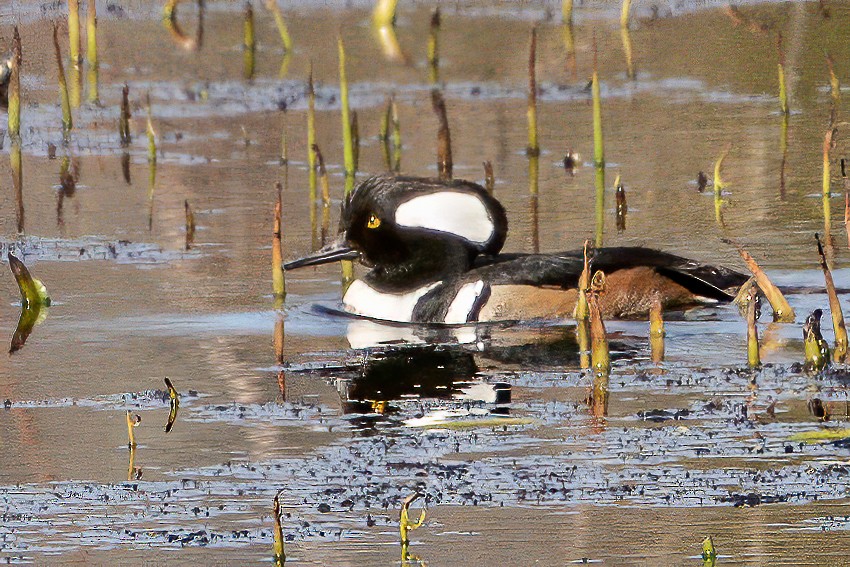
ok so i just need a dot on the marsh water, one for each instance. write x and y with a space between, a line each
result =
351 417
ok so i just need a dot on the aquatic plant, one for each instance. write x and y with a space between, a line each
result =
33 291
67 121
133 421
91 50
74 40
190 224
622 206
249 43
567 12
347 138
840 330
405 525
719 184
355 139
173 403
489 178
311 142
751 304
444 137
780 69
709 554
782 311
656 331
816 349
434 47
124 119
624 13
834 84
279 551
278 279
169 20
14 112
271 6
533 148
396 124
384 13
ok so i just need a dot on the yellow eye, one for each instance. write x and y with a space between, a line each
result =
374 222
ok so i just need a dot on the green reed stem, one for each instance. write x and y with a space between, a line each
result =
278 280
67 121
74 32
384 12
567 12
533 148
15 89
249 43
780 69
272 6
91 51
624 13
347 139
838 325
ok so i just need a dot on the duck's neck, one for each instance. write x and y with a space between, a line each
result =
423 263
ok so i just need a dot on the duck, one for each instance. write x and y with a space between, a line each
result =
434 253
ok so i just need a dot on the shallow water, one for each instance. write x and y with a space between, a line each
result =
698 446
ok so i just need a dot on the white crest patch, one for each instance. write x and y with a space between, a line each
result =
448 211
464 302
366 301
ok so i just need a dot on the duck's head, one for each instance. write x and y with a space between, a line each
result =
403 226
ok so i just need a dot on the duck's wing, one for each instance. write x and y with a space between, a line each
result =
563 269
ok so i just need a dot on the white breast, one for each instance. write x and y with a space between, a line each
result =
448 211
464 302
366 301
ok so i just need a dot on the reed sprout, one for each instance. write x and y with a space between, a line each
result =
74 38
133 421
14 111
656 331
444 138
751 300
839 328
780 69
622 205
624 13
278 281
782 311
384 13
533 148
600 361
173 404
355 139
33 291
271 6
169 18
396 124
347 138
279 551
323 176
406 525
124 120
834 84
311 142
489 178
190 224
16 164
567 12
816 349
709 554
434 47
249 43
67 121
91 50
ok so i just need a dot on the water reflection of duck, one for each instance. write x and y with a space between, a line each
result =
434 249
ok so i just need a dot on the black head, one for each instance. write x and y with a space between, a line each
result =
400 225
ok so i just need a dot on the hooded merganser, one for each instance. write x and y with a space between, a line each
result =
434 248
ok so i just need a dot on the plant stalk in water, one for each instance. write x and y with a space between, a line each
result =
489 178
782 311
74 32
91 50
173 403
271 5
600 360
444 137
249 43
279 551
834 84
815 346
18 183
624 13
133 421
533 148
190 224
396 123
384 13
347 138
656 331
840 351
751 299
67 121
278 281
124 120
434 47
709 555
311 143
15 89
719 185
780 66
405 525
567 12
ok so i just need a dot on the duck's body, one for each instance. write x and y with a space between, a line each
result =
434 251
